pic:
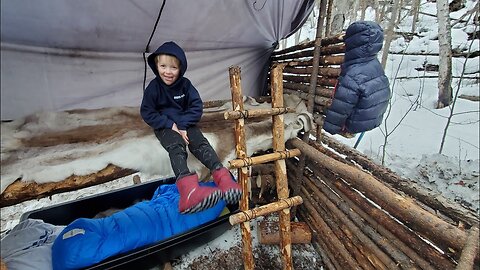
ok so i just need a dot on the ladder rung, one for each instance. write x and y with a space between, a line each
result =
233 115
249 161
264 210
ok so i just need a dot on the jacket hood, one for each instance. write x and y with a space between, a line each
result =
363 39
170 48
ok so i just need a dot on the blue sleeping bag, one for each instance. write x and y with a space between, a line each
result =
85 241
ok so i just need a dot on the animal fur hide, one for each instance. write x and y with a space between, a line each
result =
51 146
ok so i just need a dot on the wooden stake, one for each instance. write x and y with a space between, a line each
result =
241 152
278 145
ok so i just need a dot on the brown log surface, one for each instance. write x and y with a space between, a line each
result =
444 235
269 233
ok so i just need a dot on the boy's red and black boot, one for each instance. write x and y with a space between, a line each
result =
231 190
193 197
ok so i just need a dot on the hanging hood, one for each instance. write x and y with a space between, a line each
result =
363 40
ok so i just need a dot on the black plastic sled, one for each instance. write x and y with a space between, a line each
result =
142 258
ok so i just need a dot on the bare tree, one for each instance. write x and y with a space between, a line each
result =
445 55
414 12
452 106
389 33
363 7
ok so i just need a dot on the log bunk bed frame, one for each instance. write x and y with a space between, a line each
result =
362 215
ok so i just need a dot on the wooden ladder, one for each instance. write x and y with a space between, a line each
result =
243 162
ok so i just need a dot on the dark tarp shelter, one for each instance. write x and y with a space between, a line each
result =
61 55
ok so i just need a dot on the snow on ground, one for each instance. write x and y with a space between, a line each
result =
414 127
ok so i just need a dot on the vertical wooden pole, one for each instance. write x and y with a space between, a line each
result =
241 152
278 144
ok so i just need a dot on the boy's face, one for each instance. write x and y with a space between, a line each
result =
168 68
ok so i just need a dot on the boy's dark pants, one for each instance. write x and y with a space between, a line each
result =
198 146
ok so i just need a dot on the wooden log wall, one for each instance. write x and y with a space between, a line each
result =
360 221
297 73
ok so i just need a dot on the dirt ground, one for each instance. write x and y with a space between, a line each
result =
265 257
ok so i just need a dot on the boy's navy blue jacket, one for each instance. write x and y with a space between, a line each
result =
362 91
179 103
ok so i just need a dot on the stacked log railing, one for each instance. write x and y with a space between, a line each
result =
297 73
361 221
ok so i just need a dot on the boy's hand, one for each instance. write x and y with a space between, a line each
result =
182 133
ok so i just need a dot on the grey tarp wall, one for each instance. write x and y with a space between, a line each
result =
61 54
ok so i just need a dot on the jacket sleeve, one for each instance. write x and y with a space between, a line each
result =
343 104
149 112
193 111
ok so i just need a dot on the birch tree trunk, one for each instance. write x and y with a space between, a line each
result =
353 14
363 6
445 55
414 12
389 33
339 11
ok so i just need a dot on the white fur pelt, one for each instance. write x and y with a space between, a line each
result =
34 148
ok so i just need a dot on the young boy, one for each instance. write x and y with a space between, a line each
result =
172 107
362 92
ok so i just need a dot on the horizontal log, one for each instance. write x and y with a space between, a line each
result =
324 61
376 256
233 115
374 239
325 42
319 91
319 243
322 101
341 253
269 233
20 191
324 50
249 161
415 246
438 231
306 79
250 214
409 187
323 71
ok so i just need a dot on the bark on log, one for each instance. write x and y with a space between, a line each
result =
343 234
249 161
411 188
324 50
319 242
319 91
20 191
438 231
404 234
325 41
324 61
306 79
322 101
325 71
359 210
342 210
342 255
278 145
244 216
232 115
241 152
470 251
269 234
